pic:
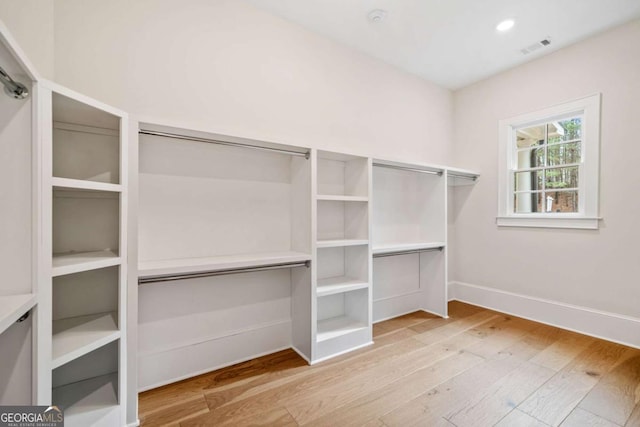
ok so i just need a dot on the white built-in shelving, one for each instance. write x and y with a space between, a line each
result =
90 402
12 307
77 262
76 336
331 198
78 184
338 243
339 284
342 267
335 327
84 208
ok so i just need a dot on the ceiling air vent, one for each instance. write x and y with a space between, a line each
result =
532 48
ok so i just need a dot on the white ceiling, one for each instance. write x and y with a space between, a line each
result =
454 42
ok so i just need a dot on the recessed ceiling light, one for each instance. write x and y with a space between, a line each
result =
505 25
377 15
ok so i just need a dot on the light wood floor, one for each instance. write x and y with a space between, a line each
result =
477 368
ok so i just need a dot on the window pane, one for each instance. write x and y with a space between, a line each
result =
562 178
530 137
562 154
565 130
561 201
531 158
528 181
528 202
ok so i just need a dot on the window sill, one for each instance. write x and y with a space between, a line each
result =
584 223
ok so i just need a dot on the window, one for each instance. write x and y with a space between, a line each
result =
549 163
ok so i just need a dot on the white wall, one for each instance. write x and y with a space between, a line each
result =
31 24
227 66
596 269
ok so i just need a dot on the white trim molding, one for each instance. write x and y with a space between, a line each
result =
599 324
588 108
580 222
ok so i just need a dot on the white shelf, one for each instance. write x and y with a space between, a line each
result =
338 198
336 285
77 262
337 326
341 243
79 184
388 248
197 265
78 336
92 402
12 307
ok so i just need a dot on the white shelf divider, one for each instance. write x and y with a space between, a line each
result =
77 336
198 265
341 284
337 326
79 184
12 307
92 402
341 243
77 262
339 198
387 248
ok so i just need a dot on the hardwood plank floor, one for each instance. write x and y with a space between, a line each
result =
477 368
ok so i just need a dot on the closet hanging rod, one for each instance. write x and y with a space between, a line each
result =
412 251
215 141
406 168
11 87
471 177
182 276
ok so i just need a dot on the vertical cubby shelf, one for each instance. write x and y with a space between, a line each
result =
84 171
342 268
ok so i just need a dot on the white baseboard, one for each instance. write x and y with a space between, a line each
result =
599 324
136 423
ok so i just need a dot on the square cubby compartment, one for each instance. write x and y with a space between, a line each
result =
342 175
342 314
87 388
85 222
338 220
86 142
343 264
85 313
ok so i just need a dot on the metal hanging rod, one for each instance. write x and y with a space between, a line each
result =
471 177
412 251
405 168
182 276
215 141
11 87
23 317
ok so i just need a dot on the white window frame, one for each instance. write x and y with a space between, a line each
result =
589 167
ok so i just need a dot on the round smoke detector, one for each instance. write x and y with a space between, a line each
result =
377 15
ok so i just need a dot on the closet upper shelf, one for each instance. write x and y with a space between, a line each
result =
12 307
209 264
389 248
